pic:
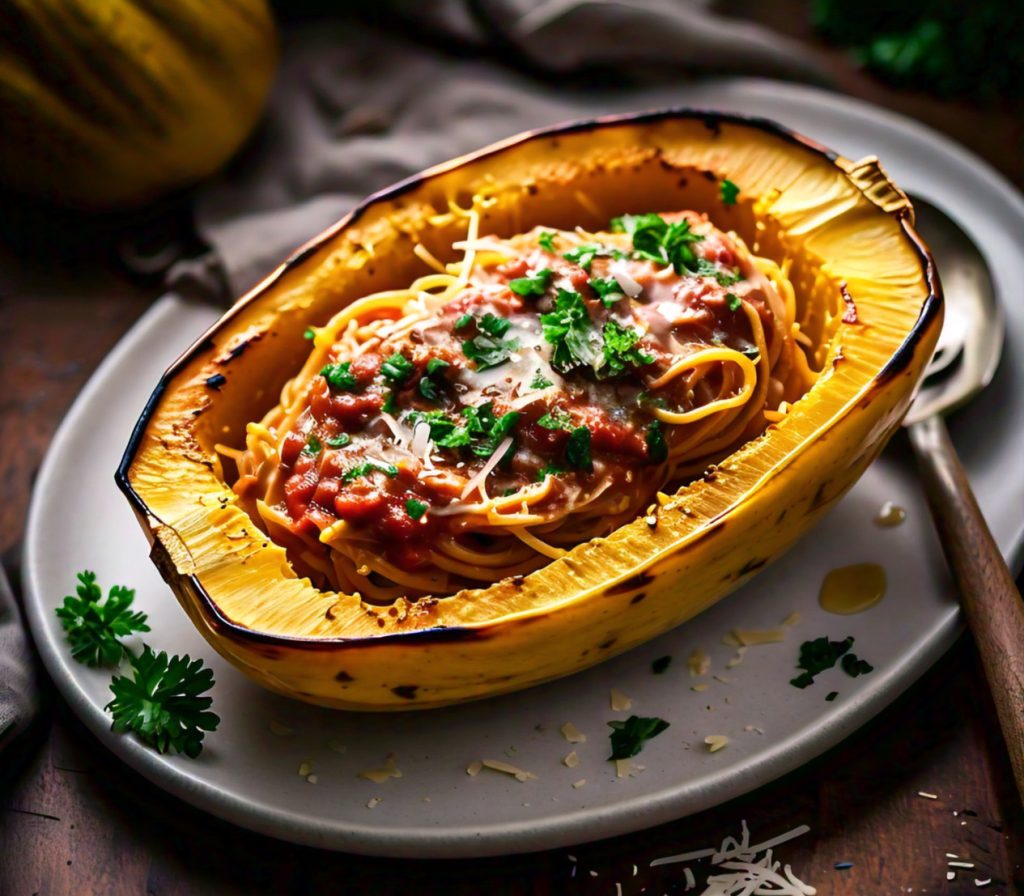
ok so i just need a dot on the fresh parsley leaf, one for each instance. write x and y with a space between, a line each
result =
583 255
549 470
487 352
818 655
728 191
534 285
388 406
660 664
415 508
608 290
340 440
831 695
428 384
94 626
440 425
577 449
397 369
657 450
556 419
340 376
569 329
464 321
628 737
162 702
540 381
313 445
309 334
733 301
657 240
620 349
547 241
493 325
853 665
707 268
368 467
486 430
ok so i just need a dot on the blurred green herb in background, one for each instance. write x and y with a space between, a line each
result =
947 47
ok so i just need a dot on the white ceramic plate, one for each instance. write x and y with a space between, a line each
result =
250 775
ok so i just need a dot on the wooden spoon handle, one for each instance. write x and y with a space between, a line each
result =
990 599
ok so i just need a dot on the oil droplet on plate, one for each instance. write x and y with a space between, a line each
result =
852 589
890 515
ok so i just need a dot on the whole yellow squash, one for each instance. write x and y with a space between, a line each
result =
108 104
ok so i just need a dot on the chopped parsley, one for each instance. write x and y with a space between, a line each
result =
831 695
416 508
657 240
397 369
94 626
707 268
620 349
608 290
428 384
853 665
534 285
388 407
368 467
733 301
547 241
577 449
488 348
583 255
728 191
549 470
540 381
464 320
660 664
657 450
309 334
628 737
313 445
818 655
339 441
487 431
340 377
570 331
556 419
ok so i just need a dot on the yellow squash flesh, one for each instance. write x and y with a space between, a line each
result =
108 104
847 232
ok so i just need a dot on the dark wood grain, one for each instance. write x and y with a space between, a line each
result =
74 820
992 604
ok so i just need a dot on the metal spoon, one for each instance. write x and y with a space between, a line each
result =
964 362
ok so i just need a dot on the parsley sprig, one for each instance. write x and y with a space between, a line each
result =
628 737
481 430
162 701
489 348
160 698
94 626
572 333
657 240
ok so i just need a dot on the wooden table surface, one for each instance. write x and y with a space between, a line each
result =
74 820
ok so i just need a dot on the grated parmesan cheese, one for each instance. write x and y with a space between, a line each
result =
571 760
578 784
305 768
474 768
573 734
373 802
380 775
519 774
748 637
716 742
619 701
699 663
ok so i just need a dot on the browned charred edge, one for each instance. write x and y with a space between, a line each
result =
710 119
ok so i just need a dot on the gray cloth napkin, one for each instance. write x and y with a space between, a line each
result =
357 106
19 698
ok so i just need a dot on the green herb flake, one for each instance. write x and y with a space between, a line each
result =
659 666
487 431
339 441
853 665
728 191
313 445
818 655
628 737
547 241
657 449
540 381
570 331
93 626
733 301
831 695
620 349
397 369
436 365
340 377
309 334
428 384
489 349
608 290
549 470
705 268
657 240
389 404
583 255
415 508
464 320
556 419
577 449
534 285
162 701
368 467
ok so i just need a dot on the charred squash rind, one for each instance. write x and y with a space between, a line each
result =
842 222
